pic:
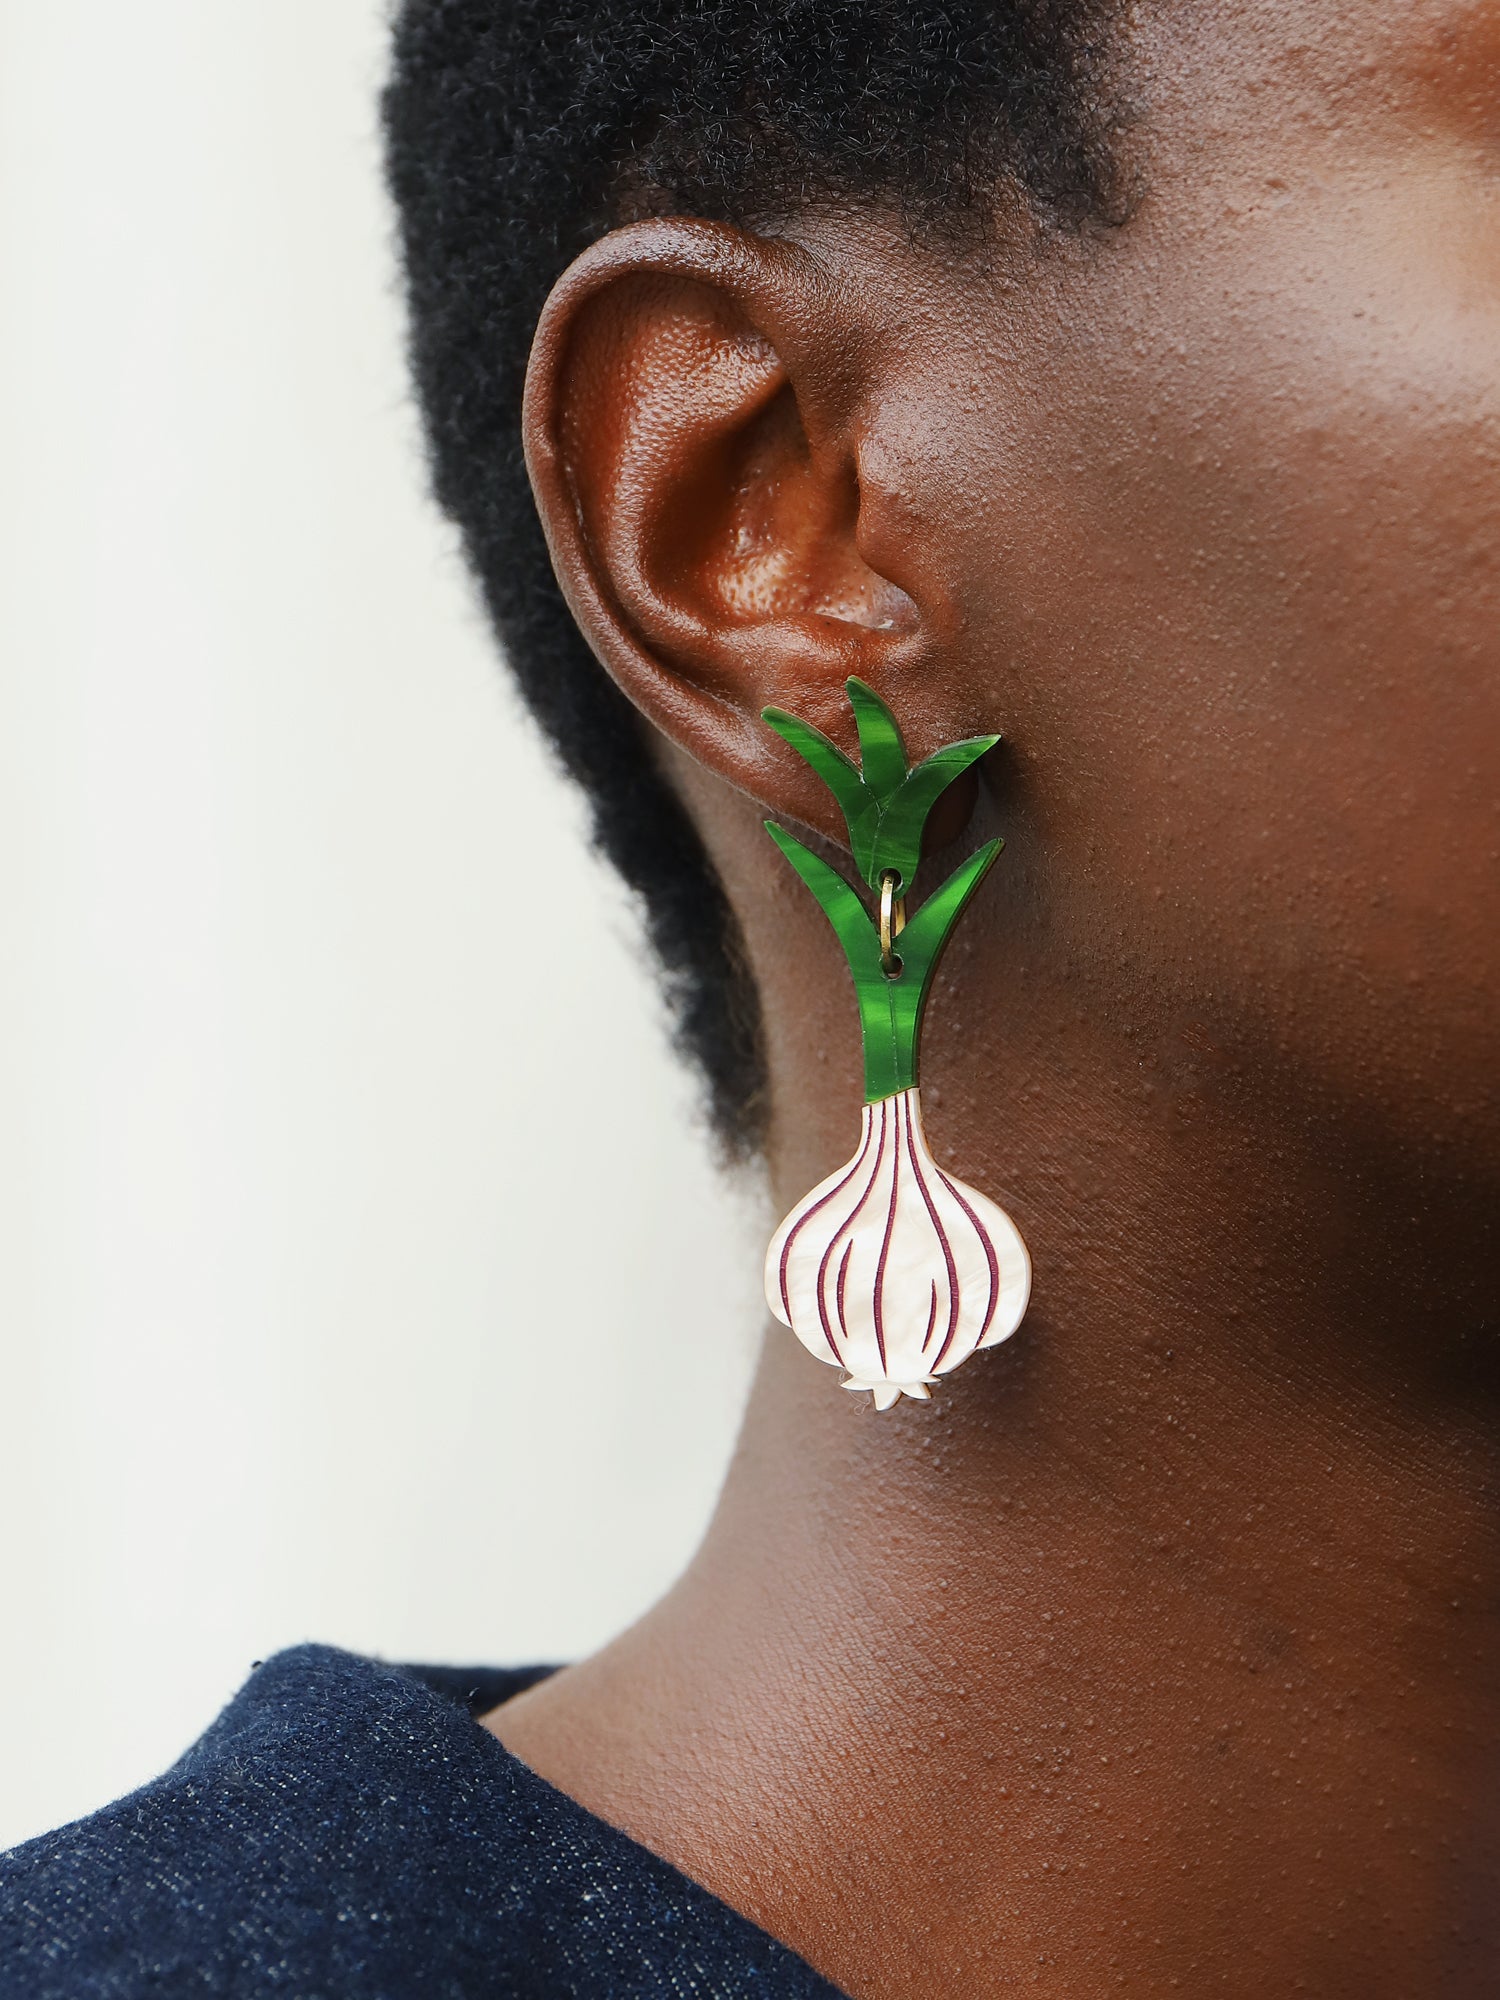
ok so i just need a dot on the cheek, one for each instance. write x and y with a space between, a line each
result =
1257 633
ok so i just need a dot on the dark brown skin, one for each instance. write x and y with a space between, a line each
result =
1160 1653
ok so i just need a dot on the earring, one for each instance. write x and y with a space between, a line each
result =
891 1268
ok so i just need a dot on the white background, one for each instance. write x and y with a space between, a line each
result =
363 1274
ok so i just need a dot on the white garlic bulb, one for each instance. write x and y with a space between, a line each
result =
893 1269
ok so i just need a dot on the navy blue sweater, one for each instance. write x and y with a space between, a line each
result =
347 1831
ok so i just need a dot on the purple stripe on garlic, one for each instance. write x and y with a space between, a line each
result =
893 1269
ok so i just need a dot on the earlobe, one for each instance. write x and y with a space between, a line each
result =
692 436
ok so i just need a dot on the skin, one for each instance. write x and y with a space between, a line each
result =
1160 1653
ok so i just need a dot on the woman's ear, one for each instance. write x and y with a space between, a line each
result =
695 410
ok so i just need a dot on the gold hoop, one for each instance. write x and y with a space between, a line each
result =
892 922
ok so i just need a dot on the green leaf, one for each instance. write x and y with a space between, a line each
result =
882 754
838 772
890 1008
858 804
842 907
922 941
898 839
885 805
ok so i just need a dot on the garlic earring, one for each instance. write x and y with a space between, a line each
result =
891 1269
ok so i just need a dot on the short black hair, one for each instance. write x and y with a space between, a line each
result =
518 131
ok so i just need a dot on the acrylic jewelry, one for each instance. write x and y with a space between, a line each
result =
891 1268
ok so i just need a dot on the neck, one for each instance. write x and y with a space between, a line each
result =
1159 1649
